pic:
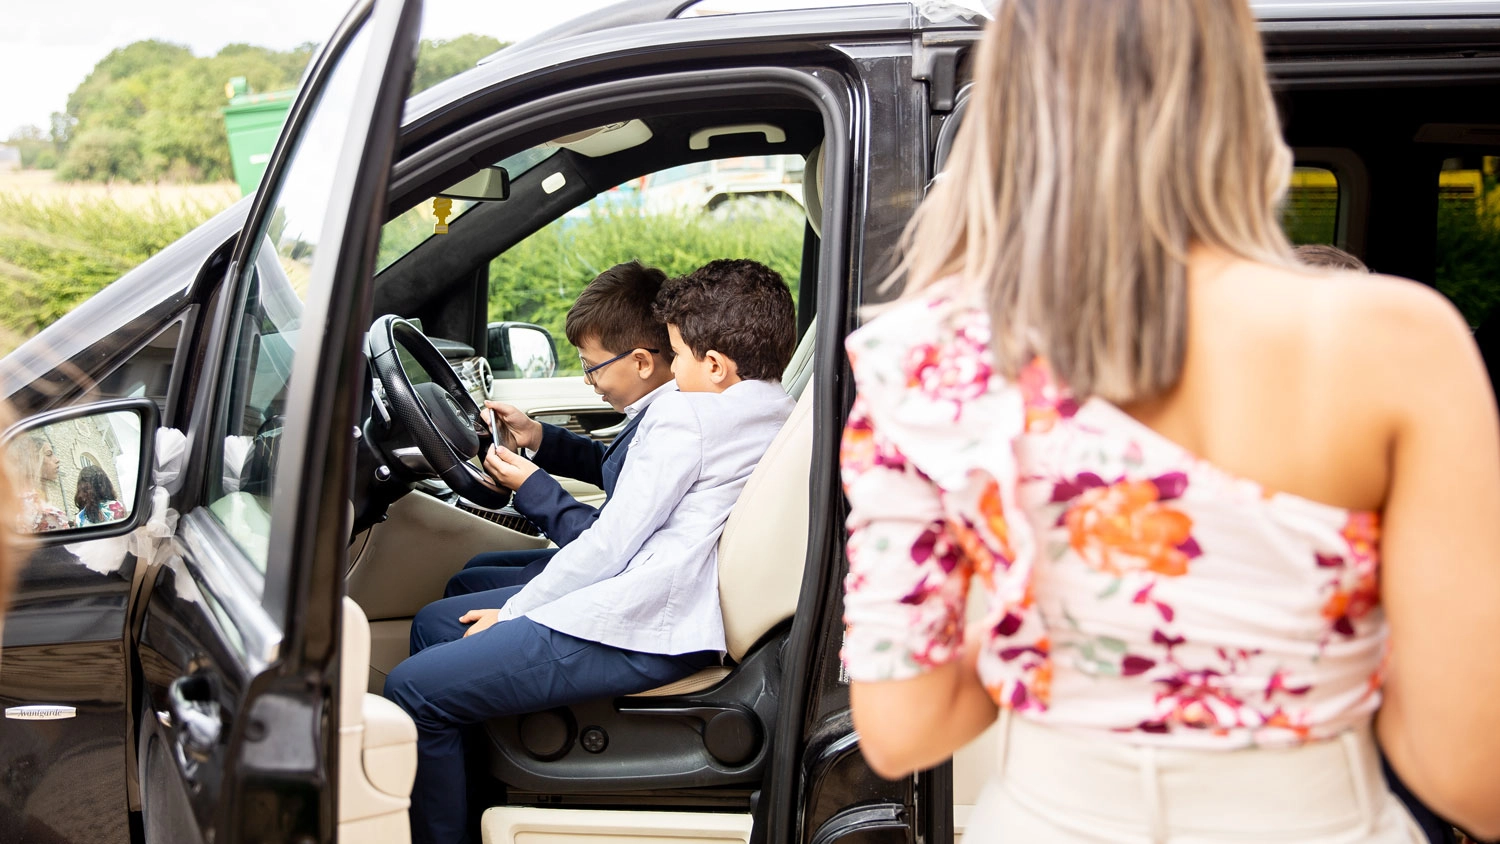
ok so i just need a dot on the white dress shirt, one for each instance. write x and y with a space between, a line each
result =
645 576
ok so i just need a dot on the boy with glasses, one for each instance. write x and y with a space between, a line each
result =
632 603
626 358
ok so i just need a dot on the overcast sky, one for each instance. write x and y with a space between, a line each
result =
47 48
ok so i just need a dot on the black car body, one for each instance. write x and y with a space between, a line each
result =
204 678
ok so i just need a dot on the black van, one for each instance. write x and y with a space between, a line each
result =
284 400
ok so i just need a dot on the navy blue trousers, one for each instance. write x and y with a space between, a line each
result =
451 682
497 570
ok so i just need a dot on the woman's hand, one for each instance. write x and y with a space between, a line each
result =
520 429
507 467
481 619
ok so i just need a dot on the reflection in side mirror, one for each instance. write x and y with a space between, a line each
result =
490 184
521 350
81 470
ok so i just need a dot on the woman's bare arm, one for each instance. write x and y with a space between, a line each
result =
912 725
1441 565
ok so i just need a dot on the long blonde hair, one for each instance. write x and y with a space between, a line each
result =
1103 137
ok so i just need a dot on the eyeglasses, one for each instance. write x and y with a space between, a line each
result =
588 371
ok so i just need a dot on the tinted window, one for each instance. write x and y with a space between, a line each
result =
1468 235
268 332
1311 214
677 219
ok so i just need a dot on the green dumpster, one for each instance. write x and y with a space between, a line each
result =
252 122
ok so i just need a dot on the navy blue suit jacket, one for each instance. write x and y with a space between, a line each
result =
543 500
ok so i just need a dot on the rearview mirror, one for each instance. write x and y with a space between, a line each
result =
520 350
81 472
491 184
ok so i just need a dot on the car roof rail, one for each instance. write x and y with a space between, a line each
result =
624 13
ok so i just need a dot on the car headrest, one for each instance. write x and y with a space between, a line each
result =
812 189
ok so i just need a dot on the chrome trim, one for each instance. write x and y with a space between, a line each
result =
40 712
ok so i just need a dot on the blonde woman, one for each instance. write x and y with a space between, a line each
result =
1234 518
32 464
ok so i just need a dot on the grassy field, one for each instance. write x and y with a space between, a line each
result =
61 243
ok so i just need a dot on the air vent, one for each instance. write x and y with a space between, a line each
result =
506 518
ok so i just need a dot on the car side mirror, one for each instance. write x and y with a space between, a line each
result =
81 472
520 350
492 184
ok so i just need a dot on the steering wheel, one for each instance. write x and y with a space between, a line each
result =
440 416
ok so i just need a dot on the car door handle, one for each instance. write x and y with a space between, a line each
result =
196 716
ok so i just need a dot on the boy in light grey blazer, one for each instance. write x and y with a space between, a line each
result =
632 603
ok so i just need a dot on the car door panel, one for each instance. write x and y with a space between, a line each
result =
238 644
64 648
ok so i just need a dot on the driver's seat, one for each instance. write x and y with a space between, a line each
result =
708 729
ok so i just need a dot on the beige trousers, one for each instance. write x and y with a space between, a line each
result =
1056 786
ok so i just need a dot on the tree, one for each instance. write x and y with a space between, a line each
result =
438 60
151 110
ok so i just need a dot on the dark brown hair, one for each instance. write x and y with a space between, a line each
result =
1323 255
93 490
615 311
738 308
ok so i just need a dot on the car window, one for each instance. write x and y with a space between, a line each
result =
267 332
1311 213
146 374
1468 235
677 219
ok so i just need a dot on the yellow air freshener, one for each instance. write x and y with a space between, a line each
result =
441 208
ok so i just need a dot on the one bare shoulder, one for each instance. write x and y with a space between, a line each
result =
1398 330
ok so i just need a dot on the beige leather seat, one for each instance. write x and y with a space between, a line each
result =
377 747
764 546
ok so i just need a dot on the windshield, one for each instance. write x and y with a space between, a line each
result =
412 228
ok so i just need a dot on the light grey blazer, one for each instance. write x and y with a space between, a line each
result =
645 576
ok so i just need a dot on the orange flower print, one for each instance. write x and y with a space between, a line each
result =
1298 724
861 450
974 549
1356 589
1125 526
1362 532
1041 683
857 450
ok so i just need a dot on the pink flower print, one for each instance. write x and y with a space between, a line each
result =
1046 401
957 373
1278 684
934 545
1198 699
1144 596
861 450
1030 689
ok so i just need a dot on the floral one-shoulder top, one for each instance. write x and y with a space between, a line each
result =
1132 587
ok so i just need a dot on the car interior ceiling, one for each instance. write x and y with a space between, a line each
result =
426 279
